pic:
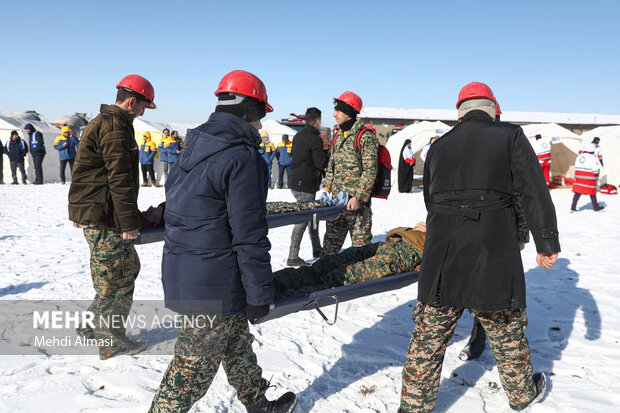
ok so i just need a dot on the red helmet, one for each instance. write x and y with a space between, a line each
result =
352 100
474 90
498 111
244 83
139 85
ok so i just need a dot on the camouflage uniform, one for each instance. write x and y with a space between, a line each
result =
198 354
114 267
280 207
434 327
345 172
401 252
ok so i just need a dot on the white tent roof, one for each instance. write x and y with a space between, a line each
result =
276 130
142 125
610 145
420 133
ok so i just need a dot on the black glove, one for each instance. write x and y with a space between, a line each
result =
253 313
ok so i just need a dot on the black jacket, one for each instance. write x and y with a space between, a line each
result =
37 143
16 150
309 160
216 246
471 255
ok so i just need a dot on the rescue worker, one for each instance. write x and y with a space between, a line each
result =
401 252
220 179
163 155
66 145
16 149
37 150
268 154
309 162
148 150
284 155
586 177
543 153
598 152
406 163
1 163
174 147
471 254
103 201
345 171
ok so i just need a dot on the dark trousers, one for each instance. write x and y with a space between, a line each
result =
299 229
151 172
595 204
281 169
63 167
1 169
38 168
14 166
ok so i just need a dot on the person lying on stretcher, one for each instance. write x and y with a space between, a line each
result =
153 217
401 252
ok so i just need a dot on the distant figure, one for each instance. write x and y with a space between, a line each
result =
425 149
309 162
16 149
37 150
406 162
586 177
598 151
543 153
284 154
1 163
269 152
66 145
163 156
148 150
174 147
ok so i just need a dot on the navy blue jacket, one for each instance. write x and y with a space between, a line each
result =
16 151
216 245
37 143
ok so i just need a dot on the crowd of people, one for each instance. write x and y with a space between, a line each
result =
217 248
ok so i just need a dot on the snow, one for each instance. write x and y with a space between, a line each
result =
355 365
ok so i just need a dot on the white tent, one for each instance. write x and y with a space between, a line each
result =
420 134
610 144
276 130
51 164
565 146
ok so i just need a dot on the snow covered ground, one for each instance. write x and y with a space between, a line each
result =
353 366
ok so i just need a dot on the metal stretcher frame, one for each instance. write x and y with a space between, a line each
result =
318 299
150 235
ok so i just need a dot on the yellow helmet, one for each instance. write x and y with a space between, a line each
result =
147 134
65 129
264 133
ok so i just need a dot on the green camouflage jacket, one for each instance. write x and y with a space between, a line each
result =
343 170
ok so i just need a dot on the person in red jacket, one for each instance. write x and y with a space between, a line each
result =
586 175
406 163
543 153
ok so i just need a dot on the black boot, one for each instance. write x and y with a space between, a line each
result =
296 262
284 404
540 383
475 345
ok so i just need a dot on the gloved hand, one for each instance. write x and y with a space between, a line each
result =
253 313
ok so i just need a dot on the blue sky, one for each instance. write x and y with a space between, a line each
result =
555 56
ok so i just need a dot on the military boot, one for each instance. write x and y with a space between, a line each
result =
475 345
284 404
540 383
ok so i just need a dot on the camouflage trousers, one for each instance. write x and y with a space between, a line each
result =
198 354
434 327
358 223
280 207
353 265
114 267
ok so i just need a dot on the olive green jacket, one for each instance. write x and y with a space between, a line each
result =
104 182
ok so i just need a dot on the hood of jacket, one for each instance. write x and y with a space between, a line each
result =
219 133
29 127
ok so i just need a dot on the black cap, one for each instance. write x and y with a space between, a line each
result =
13 133
538 136
596 140
245 107
345 108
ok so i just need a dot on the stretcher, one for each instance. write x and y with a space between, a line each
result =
319 299
149 235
